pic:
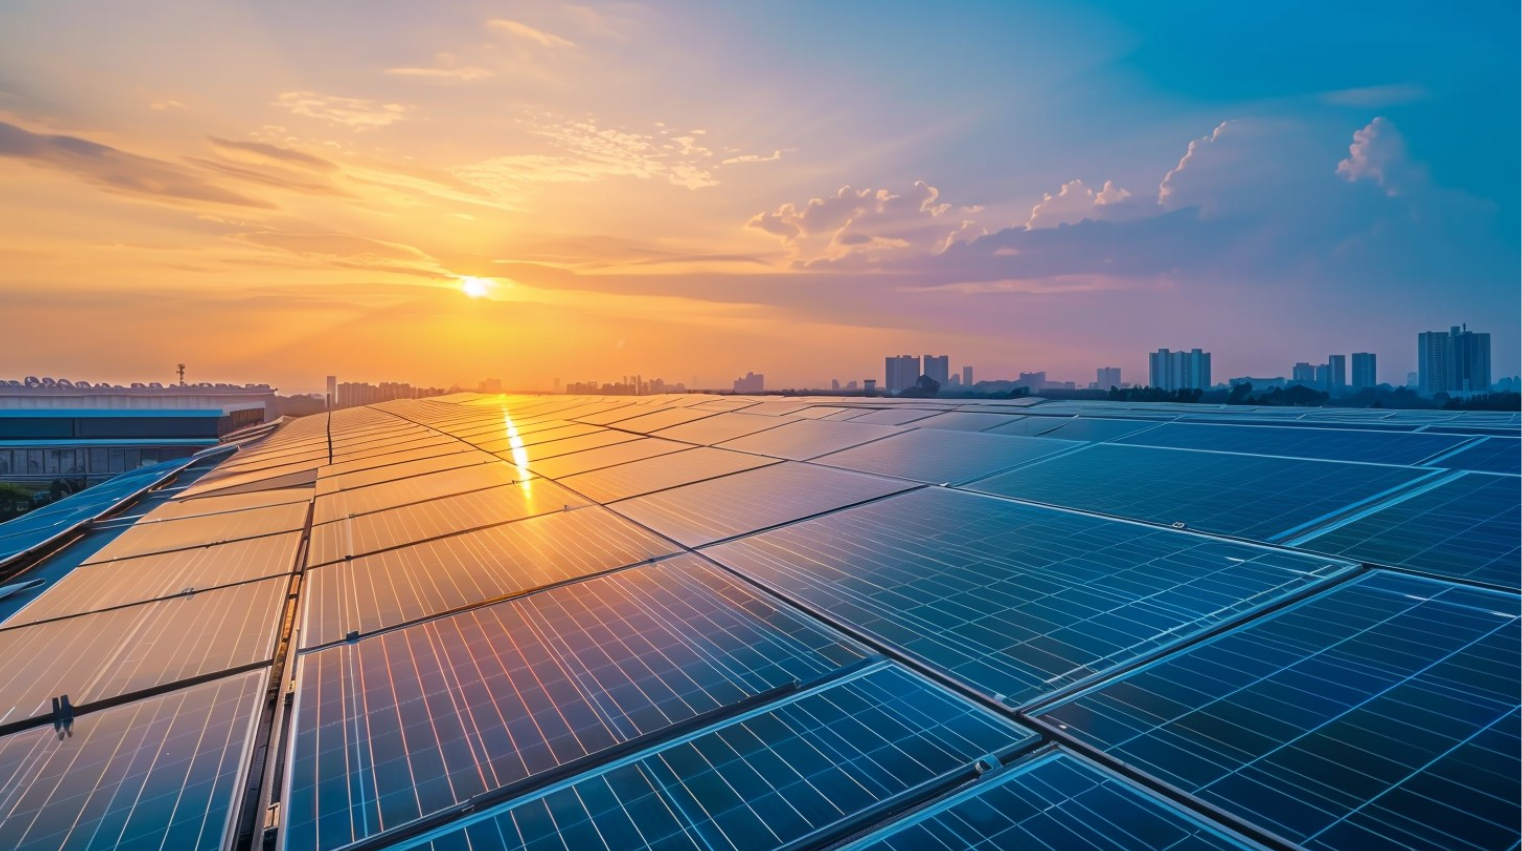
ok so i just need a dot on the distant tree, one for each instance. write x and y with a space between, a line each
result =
1240 393
924 387
14 500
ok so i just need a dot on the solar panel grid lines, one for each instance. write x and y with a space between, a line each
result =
713 510
1051 799
494 476
403 585
108 654
160 772
637 478
966 421
565 445
1403 448
807 438
563 466
1382 713
1259 497
935 456
725 426
1012 600
331 483
109 585
647 423
1492 455
440 516
203 531
1463 527
803 768
532 683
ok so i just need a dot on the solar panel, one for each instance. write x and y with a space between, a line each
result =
723 427
100 655
1466 528
1491 455
144 537
532 452
1329 444
641 477
607 456
409 722
937 455
330 483
95 587
1247 495
158 773
417 489
439 516
801 768
646 423
897 415
805 439
406 584
1014 600
1094 429
182 508
1055 801
708 511
1383 714
966 421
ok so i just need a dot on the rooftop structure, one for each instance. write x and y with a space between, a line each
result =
726 622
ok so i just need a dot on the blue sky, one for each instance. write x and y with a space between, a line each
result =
794 188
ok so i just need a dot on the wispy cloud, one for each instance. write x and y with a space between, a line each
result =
1377 96
117 171
588 152
348 252
518 29
446 66
266 152
358 113
752 158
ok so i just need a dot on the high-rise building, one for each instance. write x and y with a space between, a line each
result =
967 376
903 371
1457 362
1036 381
1364 375
751 383
954 381
1303 373
332 391
1337 374
1108 376
1179 370
1323 380
938 368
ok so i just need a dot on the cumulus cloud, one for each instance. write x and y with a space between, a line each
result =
357 113
1073 203
860 224
117 171
520 30
1378 153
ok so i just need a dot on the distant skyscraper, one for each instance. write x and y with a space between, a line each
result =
1323 380
834 384
1179 370
1364 375
938 367
966 376
332 391
902 372
751 383
1303 373
1109 376
1036 381
954 381
1412 380
1337 374
869 386
1457 362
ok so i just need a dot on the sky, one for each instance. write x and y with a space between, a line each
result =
445 192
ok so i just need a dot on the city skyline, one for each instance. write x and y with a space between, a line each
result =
556 189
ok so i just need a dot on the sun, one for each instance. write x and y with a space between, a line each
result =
475 287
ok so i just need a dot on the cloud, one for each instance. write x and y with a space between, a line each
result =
268 153
1378 153
465 74
118 171
1073 203
588 152
357 113
167 104
521 30
860 224
348 252
752 158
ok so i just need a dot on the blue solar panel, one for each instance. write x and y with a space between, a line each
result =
1248 495
1383 714
1055 801
1015 600
1468 528
1328 444
1491 455
798 769
410 722
942 455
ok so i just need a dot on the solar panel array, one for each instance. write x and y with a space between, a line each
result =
734 623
